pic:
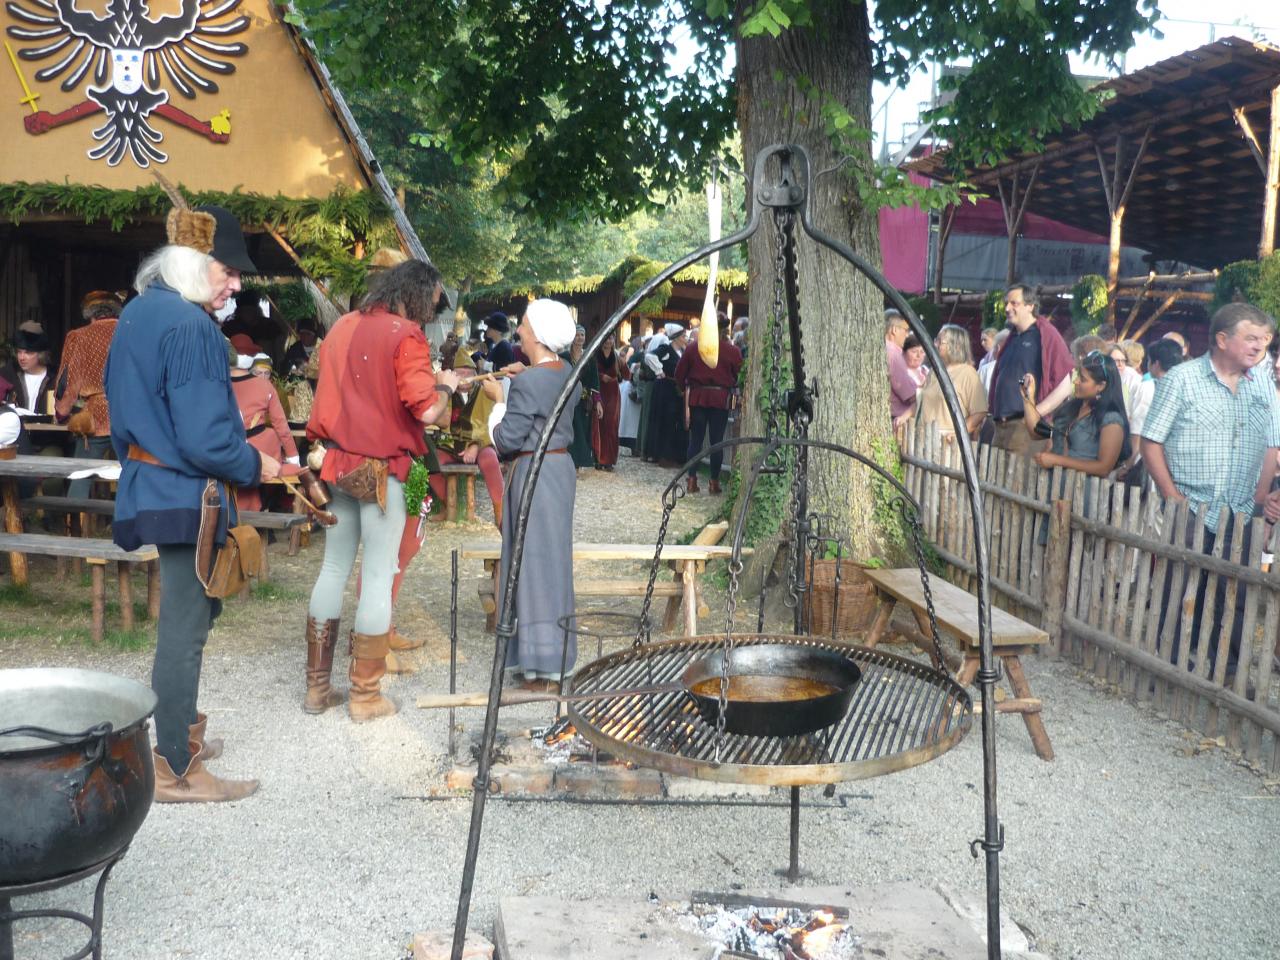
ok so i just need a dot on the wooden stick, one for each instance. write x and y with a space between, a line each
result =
513 697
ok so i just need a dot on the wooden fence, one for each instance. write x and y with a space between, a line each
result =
1121 582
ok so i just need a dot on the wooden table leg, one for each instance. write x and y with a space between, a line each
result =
295 533
689 574
881 622
1035 725
493 568
450 498
471 498
13 524
97 571
123 570
153 589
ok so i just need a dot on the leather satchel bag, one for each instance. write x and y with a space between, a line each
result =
367 483
81 423
224 571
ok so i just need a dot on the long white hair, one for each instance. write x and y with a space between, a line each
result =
184 269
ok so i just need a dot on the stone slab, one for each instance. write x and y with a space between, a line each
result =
894 922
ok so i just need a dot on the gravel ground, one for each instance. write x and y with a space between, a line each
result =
1124 847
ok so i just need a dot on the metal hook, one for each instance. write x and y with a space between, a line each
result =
846 159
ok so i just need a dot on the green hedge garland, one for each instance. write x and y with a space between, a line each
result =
325 231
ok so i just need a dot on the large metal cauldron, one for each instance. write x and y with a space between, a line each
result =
76 775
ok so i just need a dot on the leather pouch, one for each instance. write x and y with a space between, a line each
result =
224 571
367 483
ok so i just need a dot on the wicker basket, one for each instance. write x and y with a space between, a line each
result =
853 607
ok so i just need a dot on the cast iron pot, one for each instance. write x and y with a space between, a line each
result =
76 773
775 689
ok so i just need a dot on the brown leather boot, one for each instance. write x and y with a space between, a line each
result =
693 483
321 639
400 642
399 666
714 486
209 749
368 664
197 785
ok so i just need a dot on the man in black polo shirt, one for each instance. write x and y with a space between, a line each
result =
1033 347
500 353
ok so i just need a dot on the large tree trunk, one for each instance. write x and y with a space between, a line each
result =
841 311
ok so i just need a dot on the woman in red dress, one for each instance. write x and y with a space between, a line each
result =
604 429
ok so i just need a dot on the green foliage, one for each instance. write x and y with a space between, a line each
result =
1236 281
888 521
128 640
416 486
1253 281
600 122
324 230
1089 303
928 313
656 302
993 310
291 299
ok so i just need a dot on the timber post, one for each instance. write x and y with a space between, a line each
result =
1057 558
945 223
1268 242
1116 186
1014 207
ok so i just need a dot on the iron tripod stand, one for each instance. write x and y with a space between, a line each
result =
787 196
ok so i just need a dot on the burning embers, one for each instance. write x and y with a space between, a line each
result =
561 743
773 931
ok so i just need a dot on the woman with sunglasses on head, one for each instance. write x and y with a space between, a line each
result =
1090 432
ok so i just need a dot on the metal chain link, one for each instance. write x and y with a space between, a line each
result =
913 521
644 632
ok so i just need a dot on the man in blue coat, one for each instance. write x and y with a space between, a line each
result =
175 424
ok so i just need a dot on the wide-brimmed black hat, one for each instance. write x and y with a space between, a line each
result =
31 336
498 321
228 240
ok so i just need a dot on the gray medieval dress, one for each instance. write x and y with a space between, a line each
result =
545 591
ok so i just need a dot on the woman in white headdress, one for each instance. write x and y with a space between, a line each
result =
545 591
667 439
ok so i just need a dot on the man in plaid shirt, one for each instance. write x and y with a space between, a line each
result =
1213 426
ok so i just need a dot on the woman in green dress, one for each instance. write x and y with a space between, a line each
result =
587 406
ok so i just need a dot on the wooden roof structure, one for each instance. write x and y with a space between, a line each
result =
1197 126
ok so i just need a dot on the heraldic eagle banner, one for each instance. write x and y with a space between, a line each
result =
121 58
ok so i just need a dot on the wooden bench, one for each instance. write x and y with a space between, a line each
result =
452 473
258 519
687 562
97 553
957 614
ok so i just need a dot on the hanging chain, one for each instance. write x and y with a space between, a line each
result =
776 409
795 576
913 521
730 610
668 507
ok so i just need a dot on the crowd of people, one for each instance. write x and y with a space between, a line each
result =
1203 430
194 415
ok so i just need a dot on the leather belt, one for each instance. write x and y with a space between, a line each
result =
1009 419
529 453
254 431
137 453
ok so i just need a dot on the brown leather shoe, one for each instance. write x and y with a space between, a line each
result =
400 642
714 486
209 749
368 664
693 483
197 785
321 638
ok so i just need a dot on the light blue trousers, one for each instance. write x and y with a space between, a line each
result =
361 525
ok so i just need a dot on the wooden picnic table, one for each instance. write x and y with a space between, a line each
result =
20 468
686 560
956 612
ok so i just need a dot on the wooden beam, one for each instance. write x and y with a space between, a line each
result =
1157 313
1268 242
1250 138
1137 304
945 223
287 247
